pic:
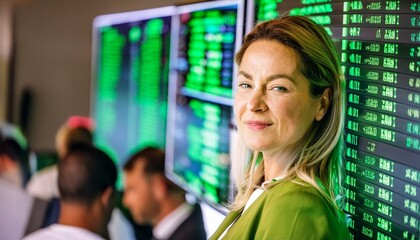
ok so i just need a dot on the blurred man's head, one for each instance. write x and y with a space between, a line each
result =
148 193
86 179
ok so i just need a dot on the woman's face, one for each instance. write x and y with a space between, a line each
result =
273 106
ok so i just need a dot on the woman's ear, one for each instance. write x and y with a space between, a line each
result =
324 104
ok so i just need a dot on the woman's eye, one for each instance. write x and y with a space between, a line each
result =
279 89
244 85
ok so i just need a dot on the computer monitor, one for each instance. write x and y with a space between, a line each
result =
130 80
205 38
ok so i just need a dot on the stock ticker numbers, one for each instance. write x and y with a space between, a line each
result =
204 76
202 148
209 40
132 66
379 47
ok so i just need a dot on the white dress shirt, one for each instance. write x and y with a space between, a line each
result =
167 226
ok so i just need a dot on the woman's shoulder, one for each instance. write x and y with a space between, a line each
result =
294 187
305 208
298 195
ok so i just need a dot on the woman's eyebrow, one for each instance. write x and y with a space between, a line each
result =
277 76
270 78
245 75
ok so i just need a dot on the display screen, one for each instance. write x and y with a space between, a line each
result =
200 109
130 82
379 46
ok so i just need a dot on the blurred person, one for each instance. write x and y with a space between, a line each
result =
18 209
288 108
43 184
86 182
153 199
13 163
14 160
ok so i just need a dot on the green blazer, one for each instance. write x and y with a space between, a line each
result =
287 210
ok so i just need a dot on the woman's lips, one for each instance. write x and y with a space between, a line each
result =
257 125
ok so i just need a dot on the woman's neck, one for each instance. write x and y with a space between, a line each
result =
275 164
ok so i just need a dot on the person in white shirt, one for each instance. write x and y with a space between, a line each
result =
153 199
86 181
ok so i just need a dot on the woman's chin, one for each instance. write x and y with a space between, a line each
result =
256 146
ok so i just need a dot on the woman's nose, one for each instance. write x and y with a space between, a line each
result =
257 101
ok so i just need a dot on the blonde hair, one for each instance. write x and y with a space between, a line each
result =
317 157
67 136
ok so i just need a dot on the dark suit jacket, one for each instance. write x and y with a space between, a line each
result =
192 228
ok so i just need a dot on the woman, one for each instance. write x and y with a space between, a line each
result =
288 109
